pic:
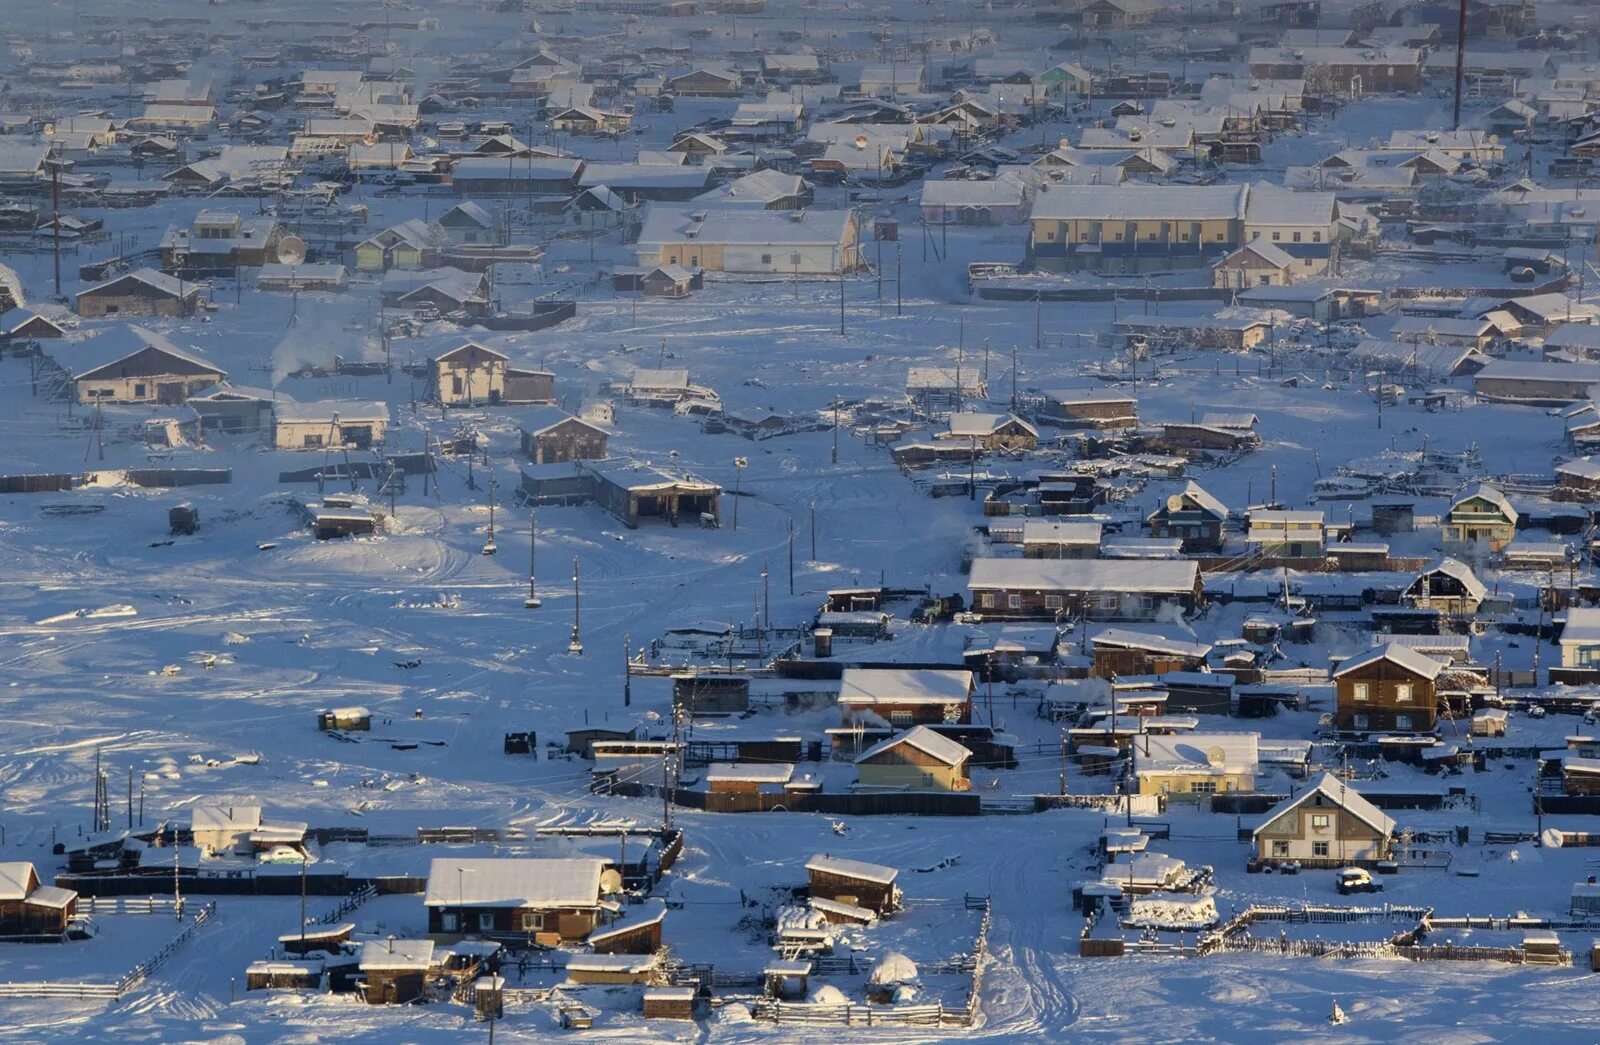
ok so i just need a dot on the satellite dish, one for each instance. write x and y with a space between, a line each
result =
291 250
610 881
1175 503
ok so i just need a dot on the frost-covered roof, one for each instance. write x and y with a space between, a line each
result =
1402 656
513 882
931 743
904 686
1142 575
1342 796
1205 753
396 955
858 869
1126 638
14 878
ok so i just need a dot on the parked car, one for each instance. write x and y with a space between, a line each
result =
1358 880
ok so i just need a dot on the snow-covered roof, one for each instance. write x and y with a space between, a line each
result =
845 910
1141 202
1045 531
1340 795
1401 656
51 896
1145 640
1485 492
324 412
976 425
660 379
1205 753
14 878
933 744
224 818
623 963
749 772
858 869
866 686
513 882
1582 627
1123 575
1461 572
396 955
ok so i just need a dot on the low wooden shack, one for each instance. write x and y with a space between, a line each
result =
327 938
611 968
283 976
854 882
395 972
711 694
669 1003
635 932
344 719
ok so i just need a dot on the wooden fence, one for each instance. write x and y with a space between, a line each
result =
806 1014
129 980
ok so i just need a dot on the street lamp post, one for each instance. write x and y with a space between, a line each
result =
575 647
532 601
739 465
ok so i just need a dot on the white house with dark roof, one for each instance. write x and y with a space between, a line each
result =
1329 824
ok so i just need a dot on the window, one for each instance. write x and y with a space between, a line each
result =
1014 602
1219 237
455 385
485 921
1276 236
1319 848
1280 848
1265 280
138 391
1109 602
1358 692
1319 821
1297 237
1054 602
766 259
1358 722
447 922
900 718
986 599
1255 234
1119 237
1204 787
532 921
1402 722
1402 693
1316 237
312 441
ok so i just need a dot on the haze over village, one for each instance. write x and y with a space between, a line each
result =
740 522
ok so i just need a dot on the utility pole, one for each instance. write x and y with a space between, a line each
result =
791 556
532 601
813 531
627 670
835 437
1013 378
55 208
575 647
1461 60
488 545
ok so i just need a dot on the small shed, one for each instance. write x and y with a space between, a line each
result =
669 1003
395 972
854 882
711 694
488 998
344 719
328 938
787 979
611 968
283 976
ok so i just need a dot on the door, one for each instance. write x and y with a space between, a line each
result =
169 393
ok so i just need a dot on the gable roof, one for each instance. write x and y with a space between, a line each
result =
14 876
1401 656
113 344
156 280
1342 796
858 869
904 686
931 743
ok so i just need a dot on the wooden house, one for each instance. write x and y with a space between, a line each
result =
132 364
905 697
1580 639
332 423
705 694
1483 516
21 324
28 908
395 972
469 223
992 431
1329 824
142 292
1194 516
445 290
220 241
1445 586
412 244
670 281
551 435
1287 534
1083 409
1536 383
545 900
636 493
1101 589
472 374
1389 688
854 882
1257 263
748 778
917 760
752 241
705 82
1119 651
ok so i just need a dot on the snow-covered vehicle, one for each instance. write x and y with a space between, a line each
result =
1358 880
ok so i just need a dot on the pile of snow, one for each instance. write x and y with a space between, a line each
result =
828 994
796 917
733 1012
893 967
1175 912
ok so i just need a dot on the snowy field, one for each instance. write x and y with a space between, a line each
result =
194 666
